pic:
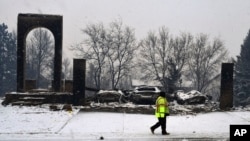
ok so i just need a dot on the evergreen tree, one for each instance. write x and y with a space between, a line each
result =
242 74
7 60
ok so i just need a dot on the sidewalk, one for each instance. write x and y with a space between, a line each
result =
211 126
65 126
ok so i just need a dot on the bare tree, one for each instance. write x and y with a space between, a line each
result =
109 51
205 59
153 59
90 75
177 60
40 52
120 56
95 50
163 57
66 68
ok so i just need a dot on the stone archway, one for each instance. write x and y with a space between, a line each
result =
27 22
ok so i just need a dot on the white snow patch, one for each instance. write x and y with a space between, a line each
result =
38 122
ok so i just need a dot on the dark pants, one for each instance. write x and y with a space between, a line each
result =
161 122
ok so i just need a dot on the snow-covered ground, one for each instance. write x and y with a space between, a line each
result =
40 123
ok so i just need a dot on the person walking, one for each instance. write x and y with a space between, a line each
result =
161 112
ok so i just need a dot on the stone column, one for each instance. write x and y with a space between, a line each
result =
226 95
79 70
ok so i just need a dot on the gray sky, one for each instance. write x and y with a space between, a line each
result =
227 19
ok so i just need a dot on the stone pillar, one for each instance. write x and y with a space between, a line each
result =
57 31
226 95
21 55
79 70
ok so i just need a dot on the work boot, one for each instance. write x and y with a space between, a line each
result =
152 130
165 133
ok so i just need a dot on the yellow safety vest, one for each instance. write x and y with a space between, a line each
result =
161 107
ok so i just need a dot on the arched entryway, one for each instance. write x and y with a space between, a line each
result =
40 47
27 22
